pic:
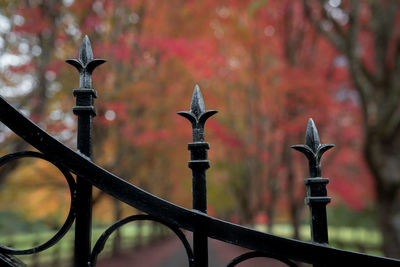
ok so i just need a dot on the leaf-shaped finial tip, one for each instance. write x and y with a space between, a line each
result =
312 137
197 106
85 52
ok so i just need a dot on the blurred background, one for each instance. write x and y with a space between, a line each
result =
267 66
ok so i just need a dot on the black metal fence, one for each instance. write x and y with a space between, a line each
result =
289 251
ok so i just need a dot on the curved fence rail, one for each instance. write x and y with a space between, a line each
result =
173 216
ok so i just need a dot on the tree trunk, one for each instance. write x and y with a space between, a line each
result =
294 206
117 242
383 158
272 203
389 219
379 90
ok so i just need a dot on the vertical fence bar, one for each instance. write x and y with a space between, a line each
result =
85 111
199 163
316 197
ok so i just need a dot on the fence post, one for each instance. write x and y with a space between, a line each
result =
85 111
316 197
199 163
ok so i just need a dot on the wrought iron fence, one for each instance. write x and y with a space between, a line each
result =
176 218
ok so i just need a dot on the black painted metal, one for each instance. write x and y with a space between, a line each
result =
173 214
99 246
85 110
71 214
10 261
162 211
199 163
316 197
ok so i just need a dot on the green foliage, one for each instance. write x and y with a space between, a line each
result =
12 223
356 238
256 5
341 215
63 250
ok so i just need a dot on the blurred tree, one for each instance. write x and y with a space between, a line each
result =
367 34
259 62
278 74
29 76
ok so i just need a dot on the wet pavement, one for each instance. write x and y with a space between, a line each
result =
170 253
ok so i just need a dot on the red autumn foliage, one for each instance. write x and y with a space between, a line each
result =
263 66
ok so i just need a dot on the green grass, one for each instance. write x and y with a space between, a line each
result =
356 239
352 238
61 253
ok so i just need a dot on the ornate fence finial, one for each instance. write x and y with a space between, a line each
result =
85 110
199 163
85 63
197 115
313 149
316 197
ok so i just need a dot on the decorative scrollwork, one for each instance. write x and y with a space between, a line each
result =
258 254
71 214
99 246
218 229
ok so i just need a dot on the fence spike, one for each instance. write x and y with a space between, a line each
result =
197 115
197 106
199 163
85 52
85 111
313 149
312 137
316 197
85 64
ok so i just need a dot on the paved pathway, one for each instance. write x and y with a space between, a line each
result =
170 253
